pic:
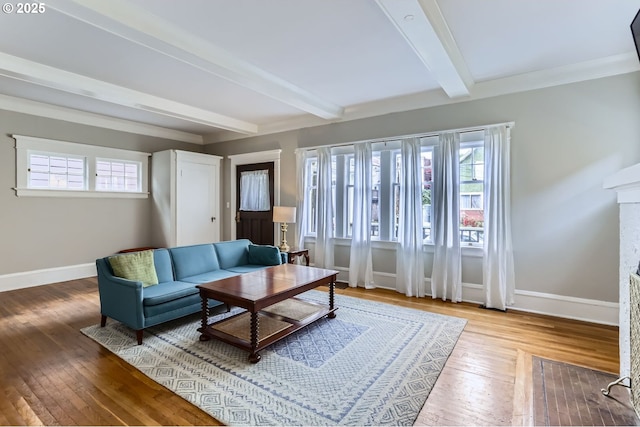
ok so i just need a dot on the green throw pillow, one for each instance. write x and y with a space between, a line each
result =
264 255
138 266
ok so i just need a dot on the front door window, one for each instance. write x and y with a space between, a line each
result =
254 191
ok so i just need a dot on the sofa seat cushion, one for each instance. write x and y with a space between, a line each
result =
155 314
167 291
209 276
241 269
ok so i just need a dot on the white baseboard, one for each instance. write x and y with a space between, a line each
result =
46 276
588 310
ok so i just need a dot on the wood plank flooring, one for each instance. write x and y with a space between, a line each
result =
569 395
51 374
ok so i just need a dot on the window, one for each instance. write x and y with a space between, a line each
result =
350 181
56 172
49 168
427 184
114 175
384 213
386 181
311 194
376 183
471 193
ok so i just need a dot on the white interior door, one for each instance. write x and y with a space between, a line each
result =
197 204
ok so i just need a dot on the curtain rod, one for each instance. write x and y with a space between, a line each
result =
415 135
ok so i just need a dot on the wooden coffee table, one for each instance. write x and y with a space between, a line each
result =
272 312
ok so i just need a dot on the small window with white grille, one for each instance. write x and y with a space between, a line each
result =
114 175
52 171
50 168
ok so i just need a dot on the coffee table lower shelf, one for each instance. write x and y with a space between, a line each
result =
254 331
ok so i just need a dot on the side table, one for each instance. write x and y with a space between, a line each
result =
295 253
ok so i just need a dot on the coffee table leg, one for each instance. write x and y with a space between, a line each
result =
254 357
332 286
205 319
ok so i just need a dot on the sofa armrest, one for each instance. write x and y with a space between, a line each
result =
120 299
285 257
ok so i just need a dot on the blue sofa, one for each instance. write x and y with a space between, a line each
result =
178 270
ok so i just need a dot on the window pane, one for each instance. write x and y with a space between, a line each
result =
312 183
39 163
471 191
397 173
350 210
349 195
117 176
376 182
56 172
313 211
427 183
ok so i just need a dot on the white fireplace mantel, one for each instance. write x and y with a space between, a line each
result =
626 183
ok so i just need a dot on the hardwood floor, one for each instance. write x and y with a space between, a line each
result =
51 374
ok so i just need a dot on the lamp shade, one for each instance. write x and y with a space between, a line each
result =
284 214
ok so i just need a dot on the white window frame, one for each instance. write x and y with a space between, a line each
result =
27 145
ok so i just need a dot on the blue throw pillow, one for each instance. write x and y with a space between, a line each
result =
264 255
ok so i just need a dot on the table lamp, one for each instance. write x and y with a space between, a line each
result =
284 215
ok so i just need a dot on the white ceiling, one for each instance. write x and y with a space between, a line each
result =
236 68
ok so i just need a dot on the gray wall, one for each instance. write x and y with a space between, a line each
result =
47 232
566 140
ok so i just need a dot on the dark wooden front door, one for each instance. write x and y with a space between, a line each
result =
256 226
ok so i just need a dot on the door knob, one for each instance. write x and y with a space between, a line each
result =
238 216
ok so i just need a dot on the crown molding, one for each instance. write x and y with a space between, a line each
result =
589 70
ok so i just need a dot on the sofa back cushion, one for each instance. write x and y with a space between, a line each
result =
164 268
264 255
233 253
191 260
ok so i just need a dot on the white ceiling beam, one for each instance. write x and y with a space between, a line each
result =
138 25
44 75
40 109
423 27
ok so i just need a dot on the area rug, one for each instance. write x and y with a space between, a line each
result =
374 364
570 395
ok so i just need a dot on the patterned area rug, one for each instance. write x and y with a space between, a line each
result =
373 364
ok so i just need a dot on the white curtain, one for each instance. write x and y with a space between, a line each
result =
254 191
302 209
409 258
446 272
498 271
324 226
360 264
